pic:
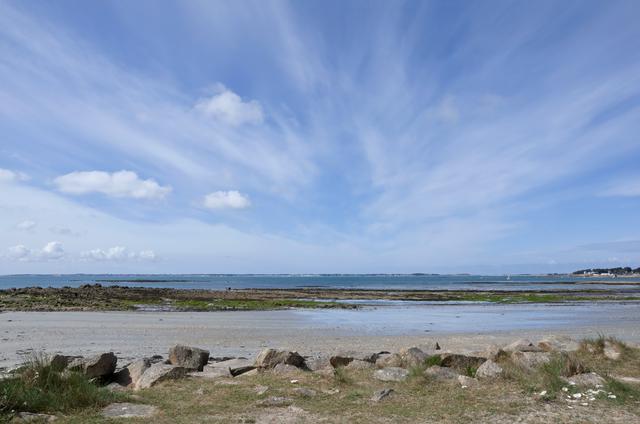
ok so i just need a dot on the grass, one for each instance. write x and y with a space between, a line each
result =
252 304
40 388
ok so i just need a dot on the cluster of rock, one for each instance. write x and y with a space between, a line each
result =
464 368
192 361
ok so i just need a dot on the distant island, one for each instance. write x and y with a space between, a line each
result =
608 272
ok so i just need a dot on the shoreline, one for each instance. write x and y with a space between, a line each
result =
244 333
96 297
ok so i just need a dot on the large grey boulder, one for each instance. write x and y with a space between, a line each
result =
269 358
211 372
391 374
558 344
129 375
340 360
488 370
191 358
129 410
530 360
441 373
102 365
157 373
406 358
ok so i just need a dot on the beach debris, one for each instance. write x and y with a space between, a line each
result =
437 347
129 410
391 374
382 394
190 358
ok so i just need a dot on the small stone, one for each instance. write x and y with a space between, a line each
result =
129 410
27 417
466 381
382 394
304 392
276 401
589 379
260 390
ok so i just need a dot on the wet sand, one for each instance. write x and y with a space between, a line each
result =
244 333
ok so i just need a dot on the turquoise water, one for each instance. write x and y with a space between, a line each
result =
381 282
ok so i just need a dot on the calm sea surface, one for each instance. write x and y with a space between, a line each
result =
382 282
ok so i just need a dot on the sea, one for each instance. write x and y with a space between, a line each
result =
327 281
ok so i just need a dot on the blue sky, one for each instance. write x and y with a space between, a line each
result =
268 136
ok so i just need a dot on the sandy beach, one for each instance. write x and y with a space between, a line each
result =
311 332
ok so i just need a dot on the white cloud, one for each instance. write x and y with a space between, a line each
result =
231 199
26 225
51 251
228 107
8 176
117 184
118 254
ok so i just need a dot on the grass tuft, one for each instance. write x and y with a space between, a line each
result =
40 388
